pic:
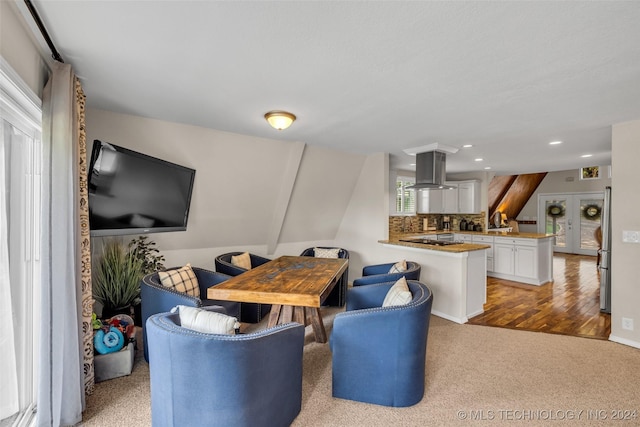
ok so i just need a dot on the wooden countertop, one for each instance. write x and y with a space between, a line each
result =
458 248
478 233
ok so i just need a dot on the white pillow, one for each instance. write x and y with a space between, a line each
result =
399 294
398 267
209 322
243 260
326 253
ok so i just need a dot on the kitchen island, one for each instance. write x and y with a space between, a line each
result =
456 274
457 270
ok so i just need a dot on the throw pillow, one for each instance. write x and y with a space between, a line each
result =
398 294
208 322
398 267
326 253
181 279
243 260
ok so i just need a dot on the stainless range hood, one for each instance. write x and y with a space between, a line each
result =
430 171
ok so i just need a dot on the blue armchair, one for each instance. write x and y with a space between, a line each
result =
251 312
157 298
338 295
379 353
379 273
200 379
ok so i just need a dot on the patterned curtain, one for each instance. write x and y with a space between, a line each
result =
66 358
85 242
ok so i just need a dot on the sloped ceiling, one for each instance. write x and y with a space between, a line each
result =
366 77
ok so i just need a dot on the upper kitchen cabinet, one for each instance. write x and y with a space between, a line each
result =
469 197
464 197
438 201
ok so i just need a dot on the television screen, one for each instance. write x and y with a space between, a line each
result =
133 193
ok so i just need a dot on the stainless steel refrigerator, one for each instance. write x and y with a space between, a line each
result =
605 261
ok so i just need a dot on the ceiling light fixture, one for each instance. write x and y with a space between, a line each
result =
586 155
279 119
467 146
479 159
555 142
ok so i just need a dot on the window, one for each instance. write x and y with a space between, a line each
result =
405 198
20 219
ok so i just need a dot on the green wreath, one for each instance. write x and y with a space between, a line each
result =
592 212
555 211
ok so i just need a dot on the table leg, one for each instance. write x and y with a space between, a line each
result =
298 315
317 324
274 315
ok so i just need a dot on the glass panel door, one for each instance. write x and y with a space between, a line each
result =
573 218
555 221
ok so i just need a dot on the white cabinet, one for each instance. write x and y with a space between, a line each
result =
450 199
438 201
468 197
463 197
461 237
523 260
486 240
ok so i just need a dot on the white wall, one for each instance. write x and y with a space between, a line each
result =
20 49
238 201
625 208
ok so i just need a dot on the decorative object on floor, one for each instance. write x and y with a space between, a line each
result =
378 354
337 297
114 343
279 120
380 273
251 312
116 278
252 380
157 298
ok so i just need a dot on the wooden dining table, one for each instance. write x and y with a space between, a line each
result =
295 286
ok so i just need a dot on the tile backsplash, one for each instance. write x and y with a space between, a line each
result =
414 224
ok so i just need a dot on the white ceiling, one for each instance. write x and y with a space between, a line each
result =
507 77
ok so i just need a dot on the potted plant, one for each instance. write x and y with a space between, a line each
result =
116 278
152 261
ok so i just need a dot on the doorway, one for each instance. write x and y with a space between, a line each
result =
573 218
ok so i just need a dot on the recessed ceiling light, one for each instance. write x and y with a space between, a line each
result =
412 164
555 142
479 159
467 146
586 155
488 167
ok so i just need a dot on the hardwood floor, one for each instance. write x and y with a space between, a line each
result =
568 306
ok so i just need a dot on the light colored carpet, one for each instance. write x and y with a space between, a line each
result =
476 375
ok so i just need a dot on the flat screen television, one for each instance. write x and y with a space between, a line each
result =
133 193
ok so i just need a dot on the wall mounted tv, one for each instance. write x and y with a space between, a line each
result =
133 193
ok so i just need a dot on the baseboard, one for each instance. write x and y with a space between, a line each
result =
446 316
624 341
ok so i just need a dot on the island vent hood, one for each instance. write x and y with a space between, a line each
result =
430 171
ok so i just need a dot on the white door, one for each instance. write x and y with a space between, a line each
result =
573 218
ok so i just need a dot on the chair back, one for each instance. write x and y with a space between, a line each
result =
379 353
338 295
251 312
200 379
157 298
379 273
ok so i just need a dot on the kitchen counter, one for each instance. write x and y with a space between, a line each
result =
456 274
477 233
455 248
